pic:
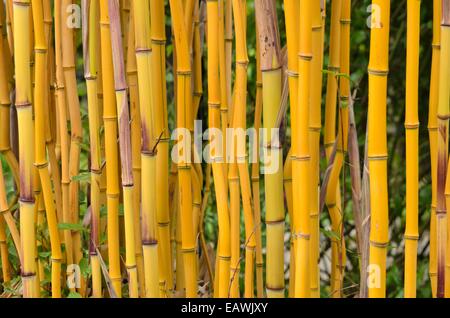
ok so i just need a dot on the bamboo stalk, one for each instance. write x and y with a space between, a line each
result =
377 148
60 92
111 150
184 122
148 154
271 69
433 131
68 63
22 13
443 111
125 144
223 254
255 173
301 155
412 143
90 49
40 144
136 145
315 127
158 35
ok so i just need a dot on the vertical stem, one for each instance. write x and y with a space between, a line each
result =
22 13
377 148
412 145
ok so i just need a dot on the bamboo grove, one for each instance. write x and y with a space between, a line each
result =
107 192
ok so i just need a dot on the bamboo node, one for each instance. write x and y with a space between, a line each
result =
275 222
214 105
290 73
411 237
346 21
56 260
412 126
436 46
382 73
159 41
443 117
378 157
379 244
40 166
188 250
300 158
305 56
302 236
334 69
23 104
184 73
2 212
143 50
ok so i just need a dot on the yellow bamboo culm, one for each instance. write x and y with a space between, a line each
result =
239 123
217 161
315 127
90 49
158 35
22 14
266 19
301 155
5 102
333 195
60 93
184 122
256 178
68 64
41 162
111 149
5 147
377 148
443 181
433 131
412 145
136 145
125 145
291 9
148 155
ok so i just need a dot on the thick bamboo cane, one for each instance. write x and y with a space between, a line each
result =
315 127
148 154
111 149
185 122
60 92
136 145
239 123
90 50
68 61
443 191
301 154
125 144
223 255
158 35
377 148
40 145
5 102
255 174
271 69
22 14
412 145
433 131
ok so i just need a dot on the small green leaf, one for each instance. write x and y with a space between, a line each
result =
71 227
82 177
330 234
74 295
